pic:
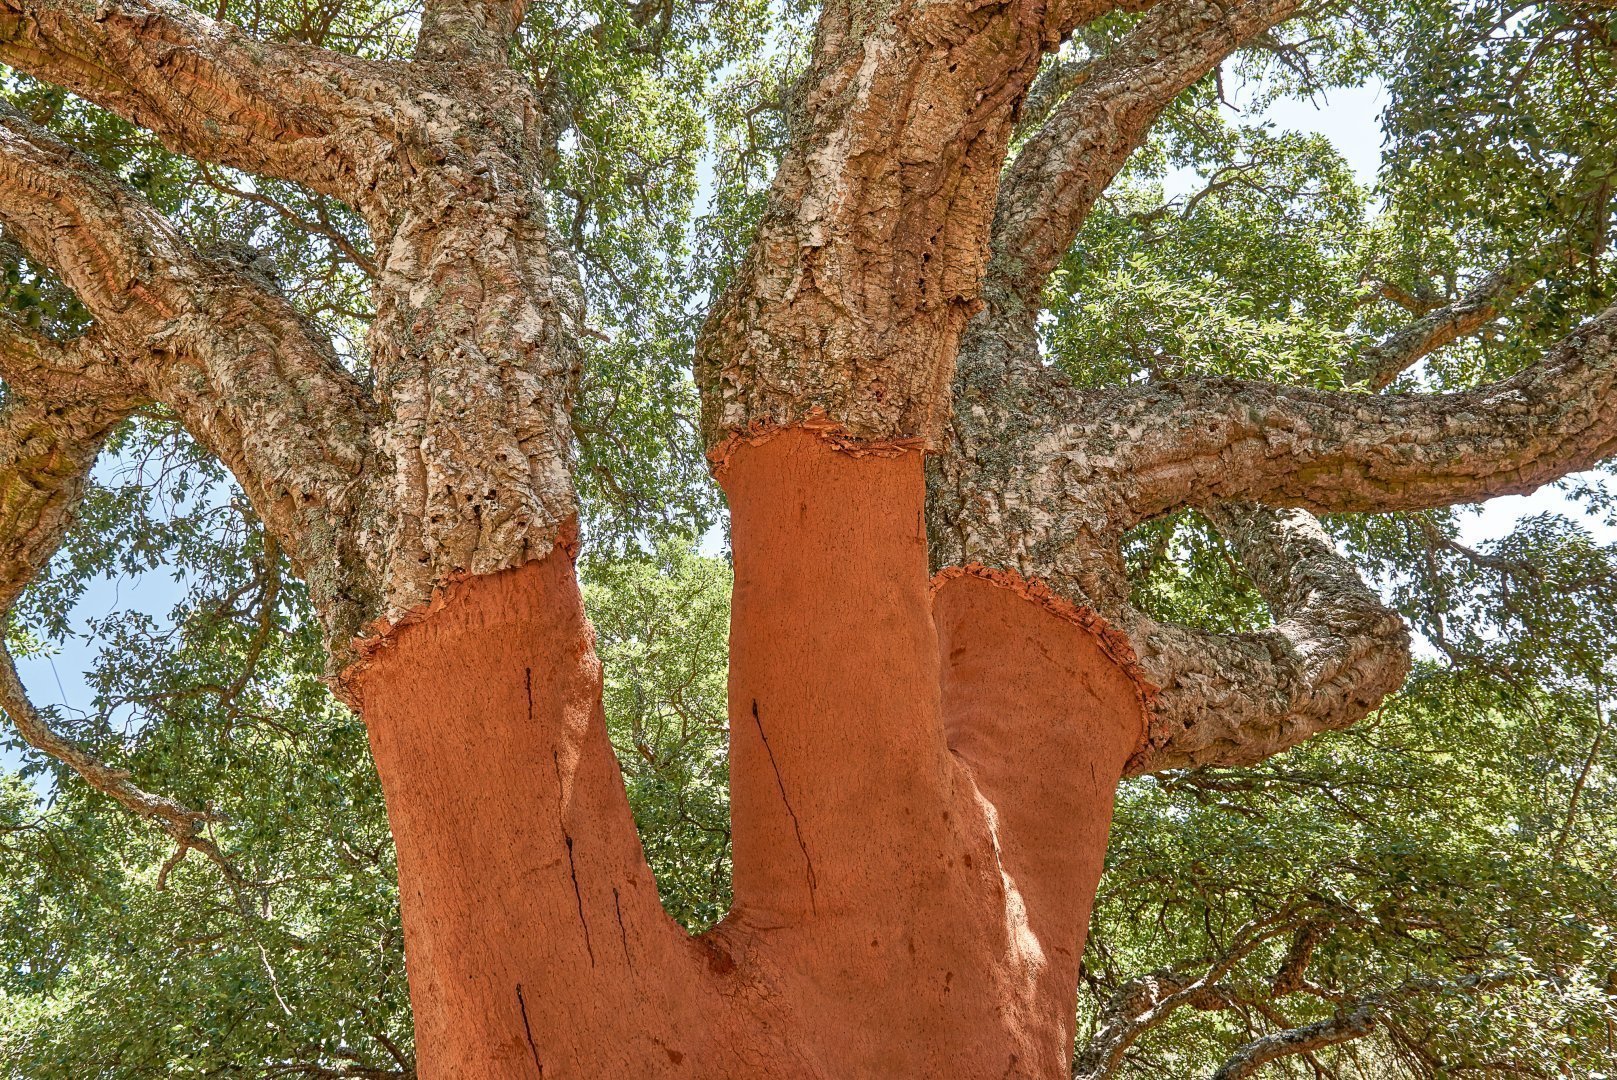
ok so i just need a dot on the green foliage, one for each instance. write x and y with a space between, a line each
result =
1464 835
1434 845
662 624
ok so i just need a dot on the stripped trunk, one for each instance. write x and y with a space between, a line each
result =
922 776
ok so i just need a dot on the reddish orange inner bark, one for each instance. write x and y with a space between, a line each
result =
1044 720
520 873
921 786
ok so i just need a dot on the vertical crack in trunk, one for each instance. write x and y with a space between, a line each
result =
623 933
572 866
527 1030
797 828
474 712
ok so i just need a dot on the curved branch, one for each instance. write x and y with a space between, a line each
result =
1232 699
1197 442
1379 363
1053 84
206 336
46 451
1344 1027
1143 1003
202 86
1050 188
1030 503
181 822
1352 1021
1137 1007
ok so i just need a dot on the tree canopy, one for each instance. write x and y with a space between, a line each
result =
1430 893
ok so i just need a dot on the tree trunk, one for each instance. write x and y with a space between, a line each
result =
922 778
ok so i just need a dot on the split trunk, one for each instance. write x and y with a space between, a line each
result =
922 774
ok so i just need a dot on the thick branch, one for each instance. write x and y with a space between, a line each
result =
74 369
462 30
1027 502
206 336
1380 362
46 450
1055 180
1049 89
204 87
1201 441
1333 653
868 258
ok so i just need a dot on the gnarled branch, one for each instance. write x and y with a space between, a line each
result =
1062 170
79 367
1143 1003
1340 1028
1196 442
205 335
1333 652
46 451
203 86
1352 1020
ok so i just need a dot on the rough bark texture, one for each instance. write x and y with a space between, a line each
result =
868 258
1334 651
1379 364
1302 1040
475 341
1188 442
1044 479
208 337
1063 168
457 461
207 89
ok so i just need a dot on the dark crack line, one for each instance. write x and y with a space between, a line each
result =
797 826
528 1031
572 867
578 895
622 931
